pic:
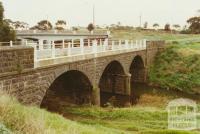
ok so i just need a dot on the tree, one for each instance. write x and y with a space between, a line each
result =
167 27
176 26
43 25
60 25
90 27
6 32
155 25
1 12
17 25
194 23
145 25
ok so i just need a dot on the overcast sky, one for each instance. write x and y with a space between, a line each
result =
79 12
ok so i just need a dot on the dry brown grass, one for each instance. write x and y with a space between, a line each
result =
153 100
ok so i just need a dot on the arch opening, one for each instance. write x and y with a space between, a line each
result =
112 85
138 78
70 89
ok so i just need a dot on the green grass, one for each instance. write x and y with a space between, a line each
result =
178 67
86 120
138 120
154 35
32 120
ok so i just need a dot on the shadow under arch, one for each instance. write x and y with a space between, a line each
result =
138 77
112 85
69 89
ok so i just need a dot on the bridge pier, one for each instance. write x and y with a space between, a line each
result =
116 90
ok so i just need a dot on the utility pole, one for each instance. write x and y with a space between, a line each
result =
93 14
140 18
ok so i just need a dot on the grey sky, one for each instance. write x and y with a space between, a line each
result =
79 12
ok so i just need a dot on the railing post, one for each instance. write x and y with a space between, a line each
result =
136 44
120 44
94 45
53 50
11 43
141 44
113 44
40 44
105 45
126 44
69 49
100 42
26 43
88 42
72 43
132 43
144 43
82 45
35 53
63 43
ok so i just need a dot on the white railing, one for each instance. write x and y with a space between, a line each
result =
82 47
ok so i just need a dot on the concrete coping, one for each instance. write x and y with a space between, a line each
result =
8 48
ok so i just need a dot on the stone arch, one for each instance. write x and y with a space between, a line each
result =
137 69
63 69
112 85
70 88
138 75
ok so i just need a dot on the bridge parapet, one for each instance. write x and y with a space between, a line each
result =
16 59
56 53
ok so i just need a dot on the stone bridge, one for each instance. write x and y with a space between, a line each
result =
92 79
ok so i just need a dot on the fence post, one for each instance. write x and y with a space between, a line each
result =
82 45
53 49
11 43
69 49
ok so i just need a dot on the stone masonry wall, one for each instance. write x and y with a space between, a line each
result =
153 47
16 59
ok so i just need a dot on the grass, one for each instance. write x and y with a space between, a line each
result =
178 67
136 120
32 120
153 35
86 120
